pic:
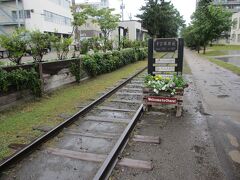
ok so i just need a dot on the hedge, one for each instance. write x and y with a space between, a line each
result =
20 79
100 63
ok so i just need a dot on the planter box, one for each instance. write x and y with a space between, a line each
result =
150 98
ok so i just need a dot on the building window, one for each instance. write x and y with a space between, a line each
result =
56 18
63 3
26 14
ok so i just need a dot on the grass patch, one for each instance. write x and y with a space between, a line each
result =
231 67
16 124
224 47
214 53
218 50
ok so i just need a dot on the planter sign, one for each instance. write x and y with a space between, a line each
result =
165 45
163 65
162 100
165 61
165 69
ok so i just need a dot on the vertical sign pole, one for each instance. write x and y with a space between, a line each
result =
180 56
150 57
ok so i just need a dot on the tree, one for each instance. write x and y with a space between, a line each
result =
79 18
107 22
161 19
61 45
209 22
38 44
15 44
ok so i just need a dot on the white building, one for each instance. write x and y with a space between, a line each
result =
134 28
235 30
44 15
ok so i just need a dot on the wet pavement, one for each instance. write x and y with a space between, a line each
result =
186 150
220 91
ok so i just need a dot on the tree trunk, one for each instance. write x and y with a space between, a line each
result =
204 48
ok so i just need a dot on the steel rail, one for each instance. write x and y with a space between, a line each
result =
105 170
39 141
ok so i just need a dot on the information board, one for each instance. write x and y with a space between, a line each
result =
164 65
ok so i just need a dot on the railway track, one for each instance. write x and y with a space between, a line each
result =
87 145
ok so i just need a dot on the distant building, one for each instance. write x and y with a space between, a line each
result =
232 5
97 4
235 30
90 29
134 28
44 15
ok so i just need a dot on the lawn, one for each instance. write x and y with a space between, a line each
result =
16 124
218 50
229 66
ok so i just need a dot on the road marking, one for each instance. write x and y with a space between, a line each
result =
233 140
235 155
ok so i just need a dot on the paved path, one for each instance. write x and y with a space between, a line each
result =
220 90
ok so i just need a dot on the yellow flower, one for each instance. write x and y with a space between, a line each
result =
158 77
168 79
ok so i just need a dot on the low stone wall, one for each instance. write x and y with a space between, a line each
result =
54 75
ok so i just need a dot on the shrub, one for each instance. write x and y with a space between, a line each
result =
61 45
38 44
20 79
100 63
16 44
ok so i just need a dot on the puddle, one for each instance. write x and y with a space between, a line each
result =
233 60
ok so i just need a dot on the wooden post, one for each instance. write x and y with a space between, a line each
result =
40 72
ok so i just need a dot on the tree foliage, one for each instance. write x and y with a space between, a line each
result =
104 17
61 45
209 22
107 21
38 44
161 19
16 45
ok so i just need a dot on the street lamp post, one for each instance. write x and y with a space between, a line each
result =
18 19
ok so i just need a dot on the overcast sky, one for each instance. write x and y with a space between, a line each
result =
185 7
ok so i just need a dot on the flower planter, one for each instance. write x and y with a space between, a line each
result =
150 98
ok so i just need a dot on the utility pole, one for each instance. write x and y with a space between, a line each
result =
122 7
18 19
76 31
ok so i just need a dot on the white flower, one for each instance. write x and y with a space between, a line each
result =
156 91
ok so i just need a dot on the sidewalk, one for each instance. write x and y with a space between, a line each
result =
220 90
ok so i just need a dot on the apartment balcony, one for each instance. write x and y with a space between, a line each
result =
7 0
11 23
236 2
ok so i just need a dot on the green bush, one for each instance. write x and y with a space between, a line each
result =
100 63
20 79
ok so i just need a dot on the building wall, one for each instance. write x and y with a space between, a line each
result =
41 16
132 26
45 15
233 5
235 30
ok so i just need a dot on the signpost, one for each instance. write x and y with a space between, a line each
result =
167 68
156 65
